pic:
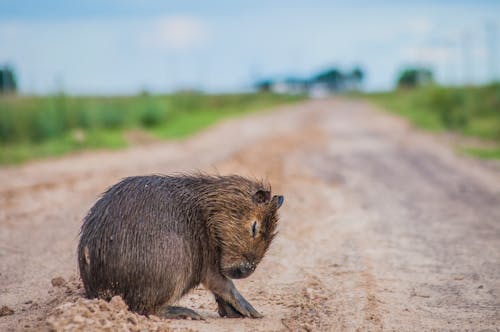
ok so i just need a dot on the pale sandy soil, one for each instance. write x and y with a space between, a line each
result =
384 228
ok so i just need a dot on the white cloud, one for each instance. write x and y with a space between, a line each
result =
427 54
480 52
9 29
420 26
9 34
177 33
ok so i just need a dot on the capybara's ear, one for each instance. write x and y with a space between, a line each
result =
261 197
279 200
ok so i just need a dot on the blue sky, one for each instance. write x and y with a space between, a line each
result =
123 46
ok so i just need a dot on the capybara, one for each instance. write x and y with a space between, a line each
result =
151 239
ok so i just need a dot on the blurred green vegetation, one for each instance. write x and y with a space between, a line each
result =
483 153
470 111
34 127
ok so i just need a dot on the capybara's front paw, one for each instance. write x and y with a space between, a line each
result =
242 306
226 310
230 302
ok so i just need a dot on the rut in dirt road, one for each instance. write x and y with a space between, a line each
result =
384 228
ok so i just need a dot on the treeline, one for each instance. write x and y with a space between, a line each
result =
329 80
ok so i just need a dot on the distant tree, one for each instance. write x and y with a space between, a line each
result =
264 85
356 77
8 82
332 78
358 74
414 76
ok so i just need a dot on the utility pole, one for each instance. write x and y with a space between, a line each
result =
466 58
449 66
491 43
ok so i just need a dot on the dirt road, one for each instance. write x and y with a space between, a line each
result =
383 227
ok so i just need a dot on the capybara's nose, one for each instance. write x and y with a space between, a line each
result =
242 271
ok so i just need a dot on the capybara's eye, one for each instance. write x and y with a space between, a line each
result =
254 229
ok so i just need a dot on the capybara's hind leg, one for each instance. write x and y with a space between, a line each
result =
172 312
225 309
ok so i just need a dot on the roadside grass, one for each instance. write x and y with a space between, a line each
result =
468 111
183 124
403 104
97 139
483 153
39 127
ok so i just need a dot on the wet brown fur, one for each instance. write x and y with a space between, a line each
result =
151 239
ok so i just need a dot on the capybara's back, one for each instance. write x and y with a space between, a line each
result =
150 239
142 229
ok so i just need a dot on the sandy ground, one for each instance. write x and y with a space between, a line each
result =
384 228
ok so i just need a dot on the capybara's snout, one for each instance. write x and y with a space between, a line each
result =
241 271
